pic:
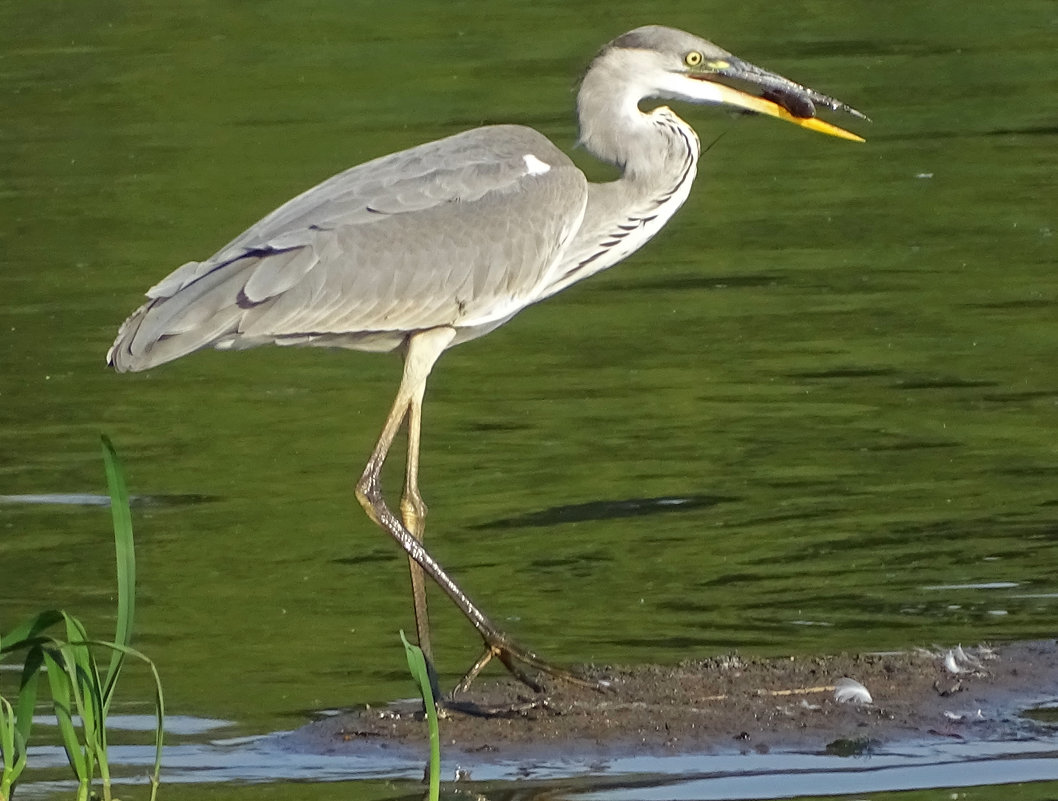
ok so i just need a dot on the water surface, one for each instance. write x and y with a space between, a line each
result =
815 414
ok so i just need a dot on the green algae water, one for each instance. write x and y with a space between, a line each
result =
817 413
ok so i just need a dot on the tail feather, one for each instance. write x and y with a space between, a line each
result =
195 316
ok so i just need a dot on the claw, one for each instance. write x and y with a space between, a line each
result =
512 656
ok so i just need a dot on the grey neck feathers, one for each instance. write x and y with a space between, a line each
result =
650 147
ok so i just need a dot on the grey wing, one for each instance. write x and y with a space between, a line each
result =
458 232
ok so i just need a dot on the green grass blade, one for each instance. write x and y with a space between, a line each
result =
7 730
159 728
30 631
12 749
159 700
421 674
7 734
87 691
126 562
59 683
85 677
26 704
15 723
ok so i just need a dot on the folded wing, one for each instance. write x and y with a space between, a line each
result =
459 232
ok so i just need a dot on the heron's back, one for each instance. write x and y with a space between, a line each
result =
460 232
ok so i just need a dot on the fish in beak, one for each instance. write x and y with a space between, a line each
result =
737 83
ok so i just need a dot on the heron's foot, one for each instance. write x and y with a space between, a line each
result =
476 710
514 657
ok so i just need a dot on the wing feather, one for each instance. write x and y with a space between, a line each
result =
277 271
458 232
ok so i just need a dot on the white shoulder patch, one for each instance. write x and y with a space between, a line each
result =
535 166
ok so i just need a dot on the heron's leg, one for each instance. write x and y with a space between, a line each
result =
424 348
413 514
406 406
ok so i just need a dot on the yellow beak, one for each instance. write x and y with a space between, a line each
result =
733 97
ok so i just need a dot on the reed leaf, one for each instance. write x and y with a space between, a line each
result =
421 673
124 548
59 684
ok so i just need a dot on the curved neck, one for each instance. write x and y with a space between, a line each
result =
657 153
653 146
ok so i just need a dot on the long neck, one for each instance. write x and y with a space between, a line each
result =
648 147
657 153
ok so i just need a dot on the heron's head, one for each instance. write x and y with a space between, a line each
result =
655 61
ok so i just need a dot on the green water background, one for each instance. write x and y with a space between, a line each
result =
838 358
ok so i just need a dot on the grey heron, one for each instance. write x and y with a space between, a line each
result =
437 245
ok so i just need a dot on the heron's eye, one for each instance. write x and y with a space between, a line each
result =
692 59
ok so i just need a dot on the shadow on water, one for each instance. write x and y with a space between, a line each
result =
606 510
